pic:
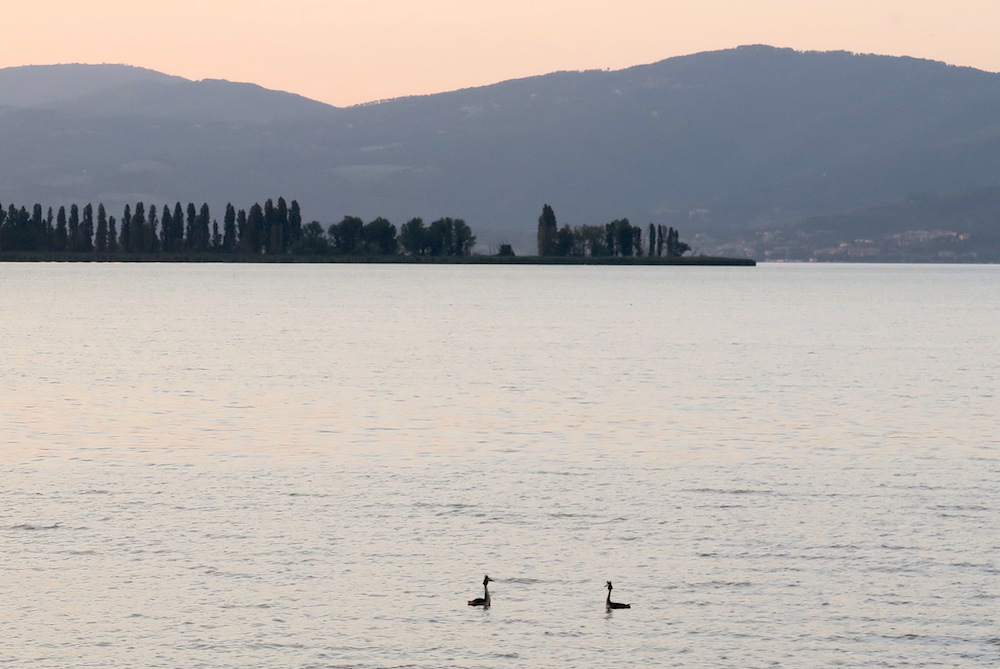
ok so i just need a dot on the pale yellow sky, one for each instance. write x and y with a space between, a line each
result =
350 51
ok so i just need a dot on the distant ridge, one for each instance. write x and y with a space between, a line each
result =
41 86
725 141
120 90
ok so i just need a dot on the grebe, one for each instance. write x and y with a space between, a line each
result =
483 601
614 605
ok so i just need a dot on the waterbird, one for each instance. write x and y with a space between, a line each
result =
609 603
483 601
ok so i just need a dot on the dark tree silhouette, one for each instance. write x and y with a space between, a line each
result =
62 235
137 229
275 228
294 223
462 240
312 241
151 237
229 229
675 247
547 232
413 237
254 229
191 227
50 230
177 241
272 238
125 236
101 240
244 242
347 235
564 241
75 239
450 237
281 244
203 237
380 237
167 230
87 228
38 239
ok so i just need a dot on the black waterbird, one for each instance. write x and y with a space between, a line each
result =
483 601
609 603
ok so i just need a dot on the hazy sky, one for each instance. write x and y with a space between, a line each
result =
350 51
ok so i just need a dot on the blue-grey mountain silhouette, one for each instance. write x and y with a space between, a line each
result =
731 140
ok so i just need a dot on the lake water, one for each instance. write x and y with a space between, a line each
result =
314 465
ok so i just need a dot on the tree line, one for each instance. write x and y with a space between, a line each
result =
617 238
274 228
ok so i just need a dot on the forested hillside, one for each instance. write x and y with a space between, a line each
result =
722 145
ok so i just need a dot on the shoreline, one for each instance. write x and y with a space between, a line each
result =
696 261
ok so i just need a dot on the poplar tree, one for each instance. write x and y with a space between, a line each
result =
177 236
255 229
274 226
245 243
281 219
191 234
50 231
204 237
167 230
102 229
229 229
137 229
61 236
75 243
37 234
152 244
125 236
294 223
547 232
87 228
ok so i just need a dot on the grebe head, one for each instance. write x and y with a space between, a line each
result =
486 579
608 586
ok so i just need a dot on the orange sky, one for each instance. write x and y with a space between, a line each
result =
351 51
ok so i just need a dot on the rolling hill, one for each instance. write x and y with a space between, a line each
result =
719 143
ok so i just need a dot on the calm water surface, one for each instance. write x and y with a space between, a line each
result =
314 466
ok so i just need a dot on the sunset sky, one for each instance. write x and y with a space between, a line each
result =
350 51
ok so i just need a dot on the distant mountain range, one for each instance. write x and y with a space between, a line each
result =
723 145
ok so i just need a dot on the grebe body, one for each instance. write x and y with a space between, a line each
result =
614 605
483 601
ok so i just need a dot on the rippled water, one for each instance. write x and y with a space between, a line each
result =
314 466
